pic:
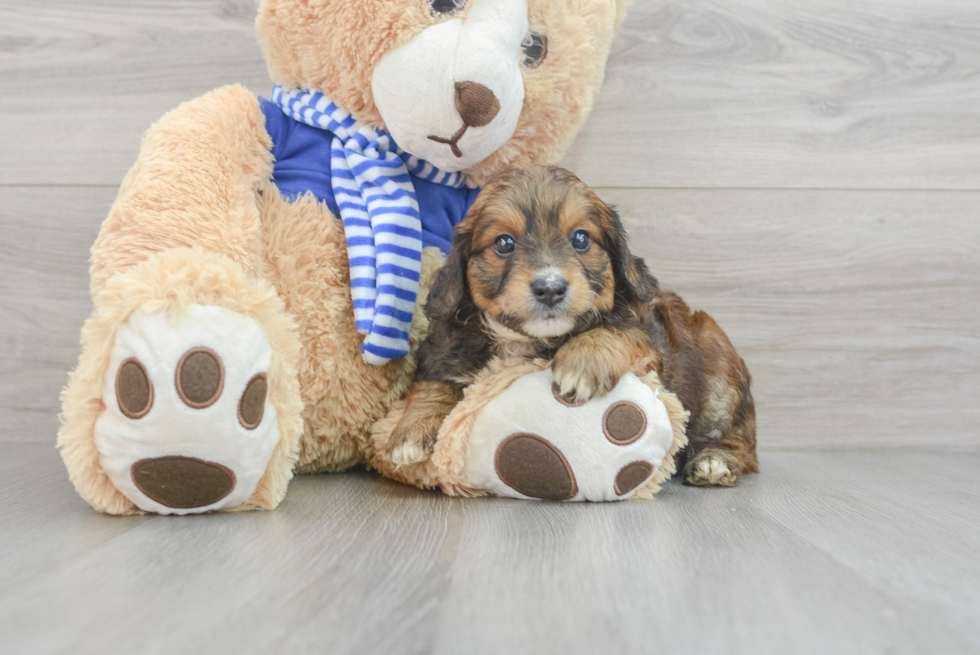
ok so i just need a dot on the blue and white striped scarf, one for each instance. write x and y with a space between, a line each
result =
373 188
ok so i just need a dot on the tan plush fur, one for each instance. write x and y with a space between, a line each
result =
310 42
559 94
194 184
446 468
198 220
678 421
306 260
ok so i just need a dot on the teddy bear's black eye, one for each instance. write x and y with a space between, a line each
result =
535 47
504 245
581 240
444 7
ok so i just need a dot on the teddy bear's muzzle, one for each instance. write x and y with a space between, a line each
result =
473 91
182 482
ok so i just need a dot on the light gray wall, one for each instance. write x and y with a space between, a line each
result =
806 171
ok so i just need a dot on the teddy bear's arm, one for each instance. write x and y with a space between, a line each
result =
193 184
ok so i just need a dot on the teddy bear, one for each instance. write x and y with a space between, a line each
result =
258 282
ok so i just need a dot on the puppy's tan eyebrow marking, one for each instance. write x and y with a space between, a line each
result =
494 222
577 212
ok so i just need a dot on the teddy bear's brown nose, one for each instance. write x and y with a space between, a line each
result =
476 103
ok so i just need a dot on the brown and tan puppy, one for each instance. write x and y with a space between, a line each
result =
540 267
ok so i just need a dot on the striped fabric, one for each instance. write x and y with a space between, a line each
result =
372 183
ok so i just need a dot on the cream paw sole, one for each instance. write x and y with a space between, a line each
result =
528 443
188 426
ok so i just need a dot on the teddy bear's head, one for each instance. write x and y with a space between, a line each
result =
471 85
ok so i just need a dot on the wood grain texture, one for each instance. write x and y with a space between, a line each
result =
44 299
797 94
855 311
864 552
801 94
81 82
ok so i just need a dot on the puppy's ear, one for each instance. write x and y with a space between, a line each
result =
449 293
634 283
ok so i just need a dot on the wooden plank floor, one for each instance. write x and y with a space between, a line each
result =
860 552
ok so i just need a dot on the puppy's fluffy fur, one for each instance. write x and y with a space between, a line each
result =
541 267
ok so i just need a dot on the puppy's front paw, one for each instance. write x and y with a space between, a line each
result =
411 444
580 376
414 438
712 468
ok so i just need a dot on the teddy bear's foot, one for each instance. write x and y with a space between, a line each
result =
531 443
187 426
712 467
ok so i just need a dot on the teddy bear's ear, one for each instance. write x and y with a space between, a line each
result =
449 293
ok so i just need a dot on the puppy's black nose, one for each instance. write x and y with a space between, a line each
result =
549 290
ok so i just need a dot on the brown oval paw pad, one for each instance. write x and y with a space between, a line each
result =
632 476
624 423
134 391
532 466
200 377
252 405
182 482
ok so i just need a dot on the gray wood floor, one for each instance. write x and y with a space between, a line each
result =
827 552
808 171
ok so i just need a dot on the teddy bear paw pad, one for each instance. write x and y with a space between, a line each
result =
532 466
188 426
529 442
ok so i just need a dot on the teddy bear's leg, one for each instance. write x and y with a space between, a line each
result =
514 435
186 396
532 443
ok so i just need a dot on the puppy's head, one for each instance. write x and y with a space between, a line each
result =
541 254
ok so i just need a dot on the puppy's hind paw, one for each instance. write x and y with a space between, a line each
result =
712 468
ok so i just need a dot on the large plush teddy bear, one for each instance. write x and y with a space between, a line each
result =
259 282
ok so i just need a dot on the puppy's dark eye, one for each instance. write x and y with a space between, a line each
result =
445 7
581 240
504 245
535 47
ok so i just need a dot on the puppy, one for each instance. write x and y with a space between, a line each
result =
540 267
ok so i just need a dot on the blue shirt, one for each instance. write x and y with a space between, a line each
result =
302 165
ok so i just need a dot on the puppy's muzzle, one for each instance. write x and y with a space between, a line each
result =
549 290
